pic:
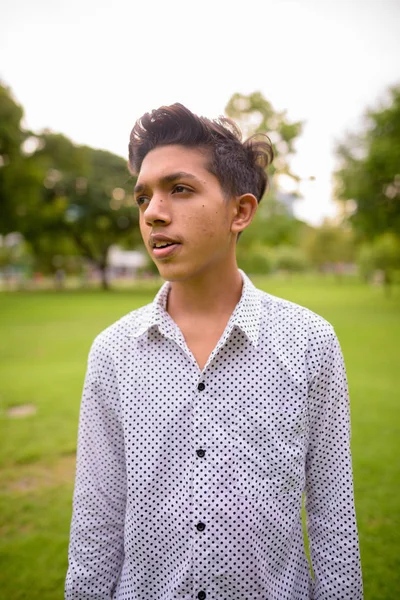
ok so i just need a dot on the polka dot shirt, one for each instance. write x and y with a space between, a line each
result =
189 483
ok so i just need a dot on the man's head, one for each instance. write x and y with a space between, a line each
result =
239 166
197 189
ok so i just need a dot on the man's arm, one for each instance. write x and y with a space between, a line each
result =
331 523
97 529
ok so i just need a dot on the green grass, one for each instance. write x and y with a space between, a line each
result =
43 350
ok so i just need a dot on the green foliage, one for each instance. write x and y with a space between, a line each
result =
14 252
289 259
383 254
254 260
65 199
387 252
11 139
273 224
369 174
255 114
11 136
85 200
366 261
262 260
329 244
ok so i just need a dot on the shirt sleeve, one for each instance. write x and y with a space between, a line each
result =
331 521
97 529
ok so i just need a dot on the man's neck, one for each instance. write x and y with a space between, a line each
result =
211 295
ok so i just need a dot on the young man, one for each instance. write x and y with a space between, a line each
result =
207 414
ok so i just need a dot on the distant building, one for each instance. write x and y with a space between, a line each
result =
125 262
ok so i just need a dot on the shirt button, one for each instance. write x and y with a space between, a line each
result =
201 387
200 452
201 595
200 527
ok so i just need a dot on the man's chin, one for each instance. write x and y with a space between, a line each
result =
173 272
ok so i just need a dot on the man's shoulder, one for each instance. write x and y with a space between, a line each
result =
125 328
288 316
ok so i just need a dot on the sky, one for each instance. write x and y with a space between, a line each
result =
90 68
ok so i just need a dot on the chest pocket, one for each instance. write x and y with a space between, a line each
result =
269 449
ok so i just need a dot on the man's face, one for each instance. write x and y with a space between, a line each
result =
185 219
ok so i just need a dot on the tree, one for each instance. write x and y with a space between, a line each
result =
62 196
329 245
85 198
273 223
11 157
368 178
289 259
254 114
382 254
15 257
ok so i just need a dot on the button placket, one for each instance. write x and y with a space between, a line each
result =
201 572
201 387
200 489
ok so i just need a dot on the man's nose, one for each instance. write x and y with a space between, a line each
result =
157 210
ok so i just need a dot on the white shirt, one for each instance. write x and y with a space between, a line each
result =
189 483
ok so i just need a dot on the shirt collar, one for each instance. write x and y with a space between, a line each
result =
246 315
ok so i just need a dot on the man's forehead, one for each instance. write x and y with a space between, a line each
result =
164 160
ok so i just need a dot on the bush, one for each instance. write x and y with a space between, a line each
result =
254 261
289 258
383 255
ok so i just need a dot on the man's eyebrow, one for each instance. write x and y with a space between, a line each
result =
167 179
179 175
138 188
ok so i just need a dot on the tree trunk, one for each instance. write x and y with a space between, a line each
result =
387 282
103 274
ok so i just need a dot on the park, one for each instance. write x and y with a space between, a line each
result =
64 206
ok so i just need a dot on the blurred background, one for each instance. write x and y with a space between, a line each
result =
322 79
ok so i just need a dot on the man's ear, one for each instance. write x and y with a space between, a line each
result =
245 209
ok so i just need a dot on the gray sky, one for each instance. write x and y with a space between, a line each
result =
89 68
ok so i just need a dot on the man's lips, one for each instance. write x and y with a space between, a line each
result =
159 238
171 245
165 252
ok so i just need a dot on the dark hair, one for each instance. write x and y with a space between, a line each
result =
239 166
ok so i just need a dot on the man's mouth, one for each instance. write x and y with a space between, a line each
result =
163 246
164 249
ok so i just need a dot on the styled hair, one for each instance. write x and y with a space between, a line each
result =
239 166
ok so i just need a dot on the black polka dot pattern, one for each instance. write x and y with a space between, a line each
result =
189 483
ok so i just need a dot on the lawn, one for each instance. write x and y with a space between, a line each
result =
43 348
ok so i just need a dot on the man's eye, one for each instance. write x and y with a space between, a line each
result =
141 200
180 189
